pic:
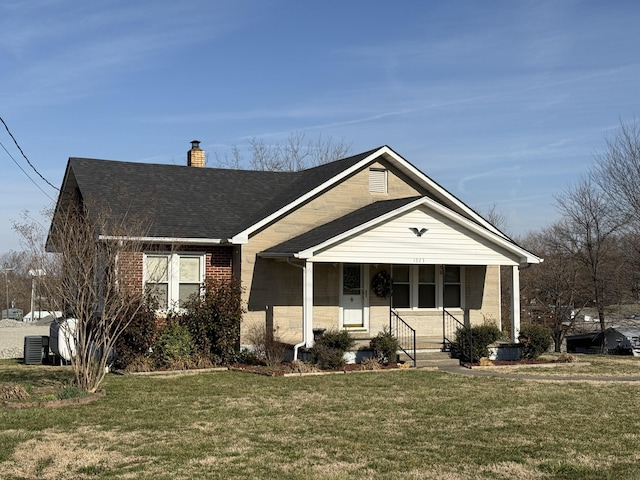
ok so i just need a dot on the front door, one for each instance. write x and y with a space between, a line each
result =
352 298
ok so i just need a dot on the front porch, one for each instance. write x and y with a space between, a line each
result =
410 256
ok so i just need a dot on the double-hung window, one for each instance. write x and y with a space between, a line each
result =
427 286
452 287
173 278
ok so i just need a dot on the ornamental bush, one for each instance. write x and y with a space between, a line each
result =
133 346
174 346
329 349
479 337
213 319
385 347
535 340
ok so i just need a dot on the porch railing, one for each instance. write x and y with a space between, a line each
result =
405 334
450 327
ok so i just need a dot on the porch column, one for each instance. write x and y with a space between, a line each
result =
307 303
515 303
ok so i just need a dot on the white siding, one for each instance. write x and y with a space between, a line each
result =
444 242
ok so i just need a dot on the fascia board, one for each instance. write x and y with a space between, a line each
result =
400 162
433 205
242 236
409 168
483 232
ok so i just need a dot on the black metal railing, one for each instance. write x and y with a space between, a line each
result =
450 328
405 334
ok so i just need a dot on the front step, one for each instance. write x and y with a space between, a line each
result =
432 359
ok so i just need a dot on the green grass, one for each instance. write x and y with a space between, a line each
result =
404 424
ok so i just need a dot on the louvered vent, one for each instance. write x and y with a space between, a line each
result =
377 180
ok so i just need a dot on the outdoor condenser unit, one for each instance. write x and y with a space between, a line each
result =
33 349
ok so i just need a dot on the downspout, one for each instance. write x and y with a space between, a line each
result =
297 346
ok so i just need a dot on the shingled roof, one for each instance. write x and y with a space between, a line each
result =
337 227
188 202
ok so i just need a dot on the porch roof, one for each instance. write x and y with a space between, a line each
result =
326 232
406 230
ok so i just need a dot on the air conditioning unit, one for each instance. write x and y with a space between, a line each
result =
33 349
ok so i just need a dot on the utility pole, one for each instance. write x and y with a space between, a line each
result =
38 272
6 271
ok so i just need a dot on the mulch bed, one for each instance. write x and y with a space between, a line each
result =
291 369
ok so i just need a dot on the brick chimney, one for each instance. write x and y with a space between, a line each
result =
195 156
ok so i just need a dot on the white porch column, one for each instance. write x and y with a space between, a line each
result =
307 303
515 303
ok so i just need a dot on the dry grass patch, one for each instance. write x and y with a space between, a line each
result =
78 455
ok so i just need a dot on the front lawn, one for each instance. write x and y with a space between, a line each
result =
392 424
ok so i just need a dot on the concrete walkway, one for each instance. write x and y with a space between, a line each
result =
480 372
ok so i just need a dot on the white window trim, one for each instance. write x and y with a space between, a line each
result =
173 275
414 285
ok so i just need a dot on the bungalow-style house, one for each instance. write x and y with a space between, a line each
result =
317 248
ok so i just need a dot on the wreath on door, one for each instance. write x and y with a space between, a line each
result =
381 283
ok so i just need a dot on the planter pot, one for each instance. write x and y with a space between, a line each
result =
508 352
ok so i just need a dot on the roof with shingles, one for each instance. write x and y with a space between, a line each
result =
189 202
339 226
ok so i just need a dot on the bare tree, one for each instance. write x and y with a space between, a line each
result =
85 281
617 172
554 291
617 169
496 218
294 155
587 233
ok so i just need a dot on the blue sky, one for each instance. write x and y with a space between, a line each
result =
500 102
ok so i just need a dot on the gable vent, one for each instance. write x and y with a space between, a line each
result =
377 180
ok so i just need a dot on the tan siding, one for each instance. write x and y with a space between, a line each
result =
265 281
278 285
483 295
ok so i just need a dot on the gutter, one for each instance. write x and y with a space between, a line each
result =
297 346
168 240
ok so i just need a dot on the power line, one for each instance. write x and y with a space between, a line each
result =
23 171
25 157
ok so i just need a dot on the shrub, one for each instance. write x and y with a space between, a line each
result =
329 349
174 347
480 337
134 344
535 340
385 347
213 319
338 339
267 348
327 358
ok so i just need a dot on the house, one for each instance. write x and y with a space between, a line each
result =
623 340
619 340
317 248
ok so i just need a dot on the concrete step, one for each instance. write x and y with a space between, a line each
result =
432 359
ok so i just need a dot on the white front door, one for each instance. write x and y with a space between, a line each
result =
352 298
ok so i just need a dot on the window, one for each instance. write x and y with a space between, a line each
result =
173 278
377 180
452 287
401 286
426 286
